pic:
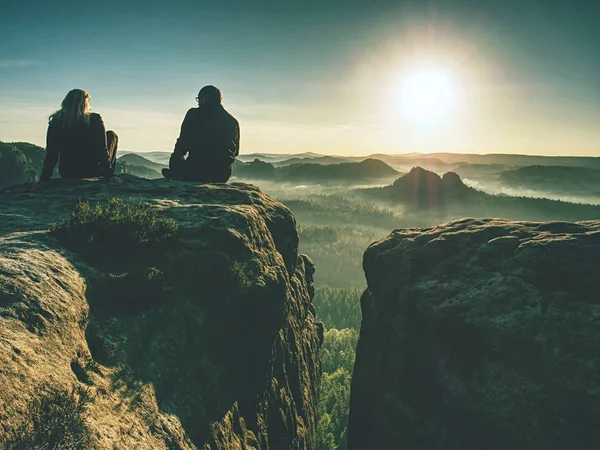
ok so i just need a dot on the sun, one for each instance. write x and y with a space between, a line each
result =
426 96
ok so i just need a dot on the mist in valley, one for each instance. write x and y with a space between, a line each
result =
497 188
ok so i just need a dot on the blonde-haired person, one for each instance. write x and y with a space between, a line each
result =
78 141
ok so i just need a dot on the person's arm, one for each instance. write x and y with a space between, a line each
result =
182 146
100 145
236 139
52 151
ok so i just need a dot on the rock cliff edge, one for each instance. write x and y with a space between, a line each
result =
480 334
216 346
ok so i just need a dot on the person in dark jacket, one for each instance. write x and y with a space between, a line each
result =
210 136
78 141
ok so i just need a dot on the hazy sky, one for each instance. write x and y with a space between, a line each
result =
322 76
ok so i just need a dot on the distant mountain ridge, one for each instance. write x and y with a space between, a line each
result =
432 161
370 169
571 180
494 171
275 157
324 160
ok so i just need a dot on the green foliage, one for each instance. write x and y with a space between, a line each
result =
56 421
337 209
122 168
35 153
127 240
117 228
15 166
339 307
241 274
325 434
339 350
333 410
337 252
338 354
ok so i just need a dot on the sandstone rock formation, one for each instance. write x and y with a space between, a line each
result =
425 189
480 334
221 353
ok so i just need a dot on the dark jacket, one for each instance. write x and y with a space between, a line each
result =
81 152
210 135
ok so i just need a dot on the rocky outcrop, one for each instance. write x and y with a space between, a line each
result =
480 334
219 350
431 199
424 188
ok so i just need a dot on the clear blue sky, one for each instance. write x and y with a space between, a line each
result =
317 76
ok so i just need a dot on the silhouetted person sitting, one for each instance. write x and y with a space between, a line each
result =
78 141
211 136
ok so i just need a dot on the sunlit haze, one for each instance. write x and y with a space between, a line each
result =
426 96
347 78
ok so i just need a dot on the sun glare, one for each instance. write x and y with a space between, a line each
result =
426 96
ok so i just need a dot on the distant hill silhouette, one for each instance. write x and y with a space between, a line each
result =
138 171
324 160
139 166
138 160
276 157
23 162
158 157
564 180
447 197
422 188
256 169
438 162
475 170
518 160
369 169
15 166
443 162
35 153
406 161
352 172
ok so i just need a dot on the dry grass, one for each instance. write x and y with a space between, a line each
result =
56 422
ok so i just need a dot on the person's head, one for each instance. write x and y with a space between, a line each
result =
74 108
209 95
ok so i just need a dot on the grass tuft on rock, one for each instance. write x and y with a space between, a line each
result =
116 227
127 241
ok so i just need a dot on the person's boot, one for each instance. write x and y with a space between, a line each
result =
168 173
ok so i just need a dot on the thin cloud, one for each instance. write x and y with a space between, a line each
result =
15 63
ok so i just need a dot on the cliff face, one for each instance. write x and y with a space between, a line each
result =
480 334
215 348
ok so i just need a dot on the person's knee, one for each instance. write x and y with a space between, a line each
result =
177 163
